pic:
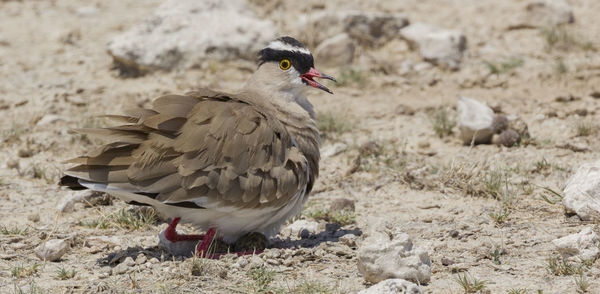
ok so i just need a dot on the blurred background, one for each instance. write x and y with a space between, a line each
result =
451 119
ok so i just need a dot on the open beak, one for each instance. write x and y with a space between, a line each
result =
313 73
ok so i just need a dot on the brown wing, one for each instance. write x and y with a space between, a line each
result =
205 148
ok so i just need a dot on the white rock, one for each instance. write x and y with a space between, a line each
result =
182 33
475 121
179 248
582 192
336 51
438 46
392 286
296 228
333 150
52 250
68 202
368 28
389 253
584 245
547 13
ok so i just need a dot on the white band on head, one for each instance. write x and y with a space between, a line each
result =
278 45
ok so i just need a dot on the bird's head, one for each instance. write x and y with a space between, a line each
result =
289 64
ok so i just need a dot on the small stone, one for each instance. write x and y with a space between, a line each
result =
273 261
120 269
500 124
548 13
595 94
13 163
404 110
128 261
584 245
392 286
34 217
348 240
242 262
340 204
447 261
389 253
105 271
566 98
508 138
517 124
141 259
370 148
124 266
256 262
423 144
336 51
52 250
301 228
475 121
453 233
370 29
581 112
438 46
24 153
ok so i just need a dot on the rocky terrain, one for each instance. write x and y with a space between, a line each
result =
459 152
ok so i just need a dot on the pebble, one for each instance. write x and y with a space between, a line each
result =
124 266
256 262
273 261
141 259
242 262
348 240
301 228
52 250
34 217
342 204
423 144
447 261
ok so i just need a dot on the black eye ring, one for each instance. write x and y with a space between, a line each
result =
285 64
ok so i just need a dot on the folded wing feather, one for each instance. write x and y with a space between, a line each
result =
205 146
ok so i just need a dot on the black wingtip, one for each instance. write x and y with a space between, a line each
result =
71 183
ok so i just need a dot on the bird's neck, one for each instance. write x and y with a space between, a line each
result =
282 97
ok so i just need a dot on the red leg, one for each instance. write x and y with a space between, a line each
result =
202 250
171 233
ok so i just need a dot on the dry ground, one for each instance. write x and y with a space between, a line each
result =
478 210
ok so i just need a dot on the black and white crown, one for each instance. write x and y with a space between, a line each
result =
287 48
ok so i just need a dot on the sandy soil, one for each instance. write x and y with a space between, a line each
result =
56 76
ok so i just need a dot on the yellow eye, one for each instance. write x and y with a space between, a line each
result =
285 64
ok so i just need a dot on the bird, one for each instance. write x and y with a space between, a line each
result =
229 164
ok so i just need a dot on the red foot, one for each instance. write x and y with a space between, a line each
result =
206 239
171 233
